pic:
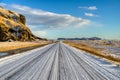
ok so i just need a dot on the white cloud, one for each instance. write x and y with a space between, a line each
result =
40 33
89 7
92 8
91 15
47 19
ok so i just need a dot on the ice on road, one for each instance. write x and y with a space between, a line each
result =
56 62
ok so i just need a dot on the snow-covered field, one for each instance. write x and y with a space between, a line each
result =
109 46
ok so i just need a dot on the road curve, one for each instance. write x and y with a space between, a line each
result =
56 62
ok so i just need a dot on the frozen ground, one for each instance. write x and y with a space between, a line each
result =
108 46
3 54
57 62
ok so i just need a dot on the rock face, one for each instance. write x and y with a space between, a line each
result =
12 27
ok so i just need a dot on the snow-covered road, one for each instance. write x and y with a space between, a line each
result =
56 62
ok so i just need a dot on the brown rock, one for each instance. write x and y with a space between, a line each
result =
12 27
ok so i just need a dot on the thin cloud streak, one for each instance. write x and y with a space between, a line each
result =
88 7
90 15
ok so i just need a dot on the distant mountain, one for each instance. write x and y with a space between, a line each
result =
92 38
12 27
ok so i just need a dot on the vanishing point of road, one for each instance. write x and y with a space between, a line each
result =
57 61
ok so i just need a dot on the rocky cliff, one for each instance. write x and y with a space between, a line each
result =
12 27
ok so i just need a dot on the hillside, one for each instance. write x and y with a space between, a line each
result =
12 27
92 38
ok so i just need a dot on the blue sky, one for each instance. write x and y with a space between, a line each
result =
69 18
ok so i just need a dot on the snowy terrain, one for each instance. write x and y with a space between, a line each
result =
109 46
57 62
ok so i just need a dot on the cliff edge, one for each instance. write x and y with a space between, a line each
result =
12 27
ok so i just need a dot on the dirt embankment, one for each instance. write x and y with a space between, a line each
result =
18 47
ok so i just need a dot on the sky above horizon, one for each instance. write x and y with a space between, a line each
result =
54 19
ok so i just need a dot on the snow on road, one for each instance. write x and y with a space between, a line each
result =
56 62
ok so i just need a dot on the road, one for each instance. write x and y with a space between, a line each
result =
56 61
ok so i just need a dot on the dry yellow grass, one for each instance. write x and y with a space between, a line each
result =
95 51
7 46
9 22
3 21
4 11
